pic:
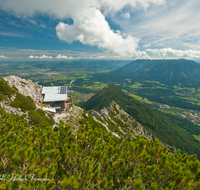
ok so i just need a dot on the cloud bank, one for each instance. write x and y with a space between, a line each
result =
63 57
90 26
40 57
179 53
70 8
126 15
3 57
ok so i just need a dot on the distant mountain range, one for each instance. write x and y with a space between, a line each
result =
153 120
169 72
87 64
166 71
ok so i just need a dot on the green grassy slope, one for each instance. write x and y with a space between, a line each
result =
151 119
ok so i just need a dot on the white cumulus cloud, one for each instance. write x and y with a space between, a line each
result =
92 28
33 57
126 15
179 53
63 57
3 57
40 57
146 45
117 5
141 55
69 8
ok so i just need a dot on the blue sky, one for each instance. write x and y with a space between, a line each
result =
99 29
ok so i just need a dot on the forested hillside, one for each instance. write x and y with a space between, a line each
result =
153 120
35 153
89 158
169 72
172 82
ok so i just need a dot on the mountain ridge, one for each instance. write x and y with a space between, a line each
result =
151 119
166 71
32 114
82 154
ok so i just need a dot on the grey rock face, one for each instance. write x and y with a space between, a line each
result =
117 117
96 114
25 87
11 110
123 123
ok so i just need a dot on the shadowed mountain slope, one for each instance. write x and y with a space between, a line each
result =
166 71
151 119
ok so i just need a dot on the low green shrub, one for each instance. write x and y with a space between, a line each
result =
39 117
1 97
5 89
23 102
